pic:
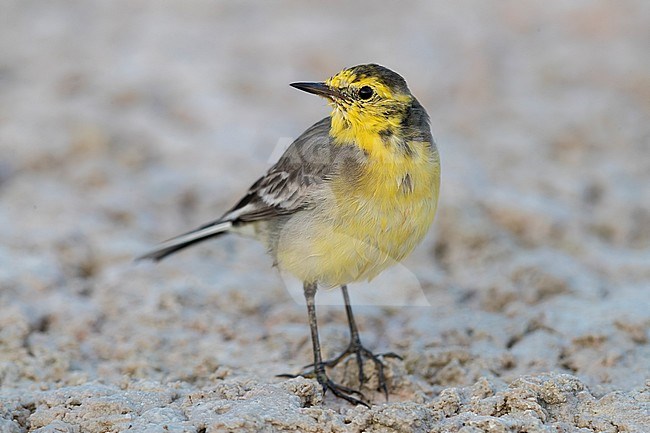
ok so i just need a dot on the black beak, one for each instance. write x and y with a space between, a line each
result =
320 89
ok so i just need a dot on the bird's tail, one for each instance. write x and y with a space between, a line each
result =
185 240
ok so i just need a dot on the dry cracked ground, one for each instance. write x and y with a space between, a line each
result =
526 309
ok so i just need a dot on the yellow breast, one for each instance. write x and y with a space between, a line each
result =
373 218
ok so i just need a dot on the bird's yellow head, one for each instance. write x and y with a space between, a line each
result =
367 100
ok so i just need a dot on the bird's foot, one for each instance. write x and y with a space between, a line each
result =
340 391
356 348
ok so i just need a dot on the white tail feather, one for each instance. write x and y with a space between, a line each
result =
172 244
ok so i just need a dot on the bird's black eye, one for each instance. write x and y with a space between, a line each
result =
365 92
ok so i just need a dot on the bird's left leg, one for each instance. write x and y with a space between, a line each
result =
355 347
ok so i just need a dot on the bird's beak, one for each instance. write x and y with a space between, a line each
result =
320 89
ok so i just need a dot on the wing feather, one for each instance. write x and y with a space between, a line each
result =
293 182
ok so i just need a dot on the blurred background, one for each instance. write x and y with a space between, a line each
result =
123 123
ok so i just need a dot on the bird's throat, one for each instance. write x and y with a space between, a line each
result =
372 137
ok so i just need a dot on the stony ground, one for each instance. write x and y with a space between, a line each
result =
123 123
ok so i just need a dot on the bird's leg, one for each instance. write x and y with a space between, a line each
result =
355 347
319 367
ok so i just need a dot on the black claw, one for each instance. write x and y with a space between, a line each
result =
339 391
341 394
391 355
381 386
362 377
289 375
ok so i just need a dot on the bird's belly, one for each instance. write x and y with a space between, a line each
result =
356 242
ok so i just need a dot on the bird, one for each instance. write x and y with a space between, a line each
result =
351 196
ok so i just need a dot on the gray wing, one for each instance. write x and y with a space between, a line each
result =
290 185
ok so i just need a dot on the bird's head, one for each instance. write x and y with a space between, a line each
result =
366 99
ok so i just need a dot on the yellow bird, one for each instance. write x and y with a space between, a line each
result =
354 194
